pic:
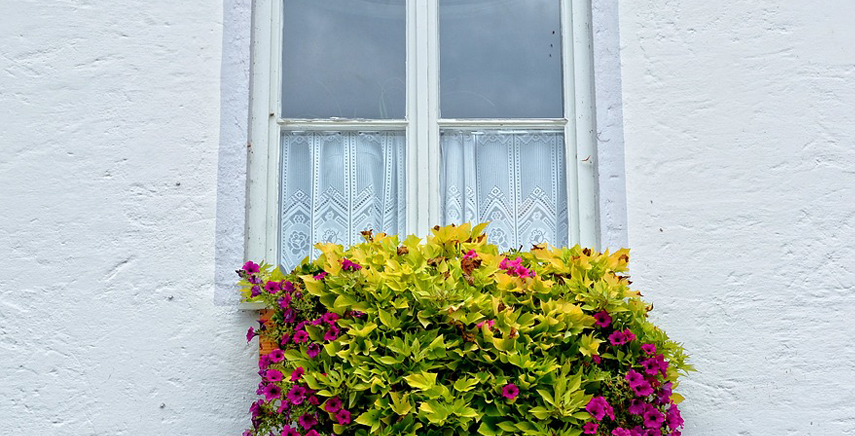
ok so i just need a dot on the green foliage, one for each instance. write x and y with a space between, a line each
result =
433 337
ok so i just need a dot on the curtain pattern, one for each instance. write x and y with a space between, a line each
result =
336 184
516 180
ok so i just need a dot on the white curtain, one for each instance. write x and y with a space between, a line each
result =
335 185
516 180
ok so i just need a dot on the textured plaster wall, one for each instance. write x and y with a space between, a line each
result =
110 125
740 163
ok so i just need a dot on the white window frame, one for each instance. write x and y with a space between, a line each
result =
422 124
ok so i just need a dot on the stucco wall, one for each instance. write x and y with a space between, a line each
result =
740 163
110 125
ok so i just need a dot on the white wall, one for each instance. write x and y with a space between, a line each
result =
740 162
110 124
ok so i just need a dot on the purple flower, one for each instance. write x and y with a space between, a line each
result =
255 409
636 407
596 359
348 265
655 365
603 319
255 280
311 433
308 421
263 361
590 428
283 406
272 287
251 267
297 395
250 334
598 407
289 316
285 339
273 375
290 431
287 286
313 400
343 417
277 355
629 335
313 350
301 336
650 349
297 374
271 392
284 301
643 389
675 421
653 418
331 334
510 391
617 338
330 317
254 291
634 378
332 405
320 276
620 431
357 314
665 393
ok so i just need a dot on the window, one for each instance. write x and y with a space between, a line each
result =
397 115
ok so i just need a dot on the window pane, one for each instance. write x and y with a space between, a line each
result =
336 184
500 59
515 179
344 58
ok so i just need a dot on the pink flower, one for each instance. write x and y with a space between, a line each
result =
297 395
311 433
263 361
617 338
307 421
620 431
289 316
675 421
665 393
629 335
272 287
471 254
348 265
598 407
650 349
331 334
273 375
330 317
313 400
297 374
655 365
590 428
603 319
635 407
634 378
490 323
250 334
301 336
313 350
332 405
320 276
285 301
255 408
254 291
510 391
251 267
287 286
290 431
285 339
343 417
277 355
653 418
271 392
643 389
596 359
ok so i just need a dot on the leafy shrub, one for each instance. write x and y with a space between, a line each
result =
451 337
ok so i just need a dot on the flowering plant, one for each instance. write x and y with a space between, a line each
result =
449 336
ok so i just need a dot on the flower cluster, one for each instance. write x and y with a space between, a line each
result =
450 336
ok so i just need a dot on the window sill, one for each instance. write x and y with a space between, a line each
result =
250 306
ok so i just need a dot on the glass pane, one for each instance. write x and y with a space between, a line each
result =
336 184
500 59
514 179
344 58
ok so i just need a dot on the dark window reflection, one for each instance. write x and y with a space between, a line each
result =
344 58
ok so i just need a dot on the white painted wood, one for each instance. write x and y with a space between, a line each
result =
570 141
413 159
339 124
433 115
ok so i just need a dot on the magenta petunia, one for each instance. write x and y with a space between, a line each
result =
636 407
675 420
250 334
332 405
650 349
596 359
634 378
289 316
643 389
287 286
510 391
343 417
301 336
628 335
276 355
273 375
272 287
598 407
331 334
271 392
471 254
603 319
311 433
255 408
313 350
297 395
251 267
263 361
283 406
620 431
330 317
590 428
290 431
320 276
313 400
490 323
285 339
254 291
617 338
285 301
653 418
297 374
349 265
307 421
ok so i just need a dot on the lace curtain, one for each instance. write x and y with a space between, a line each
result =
335 185
516 180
